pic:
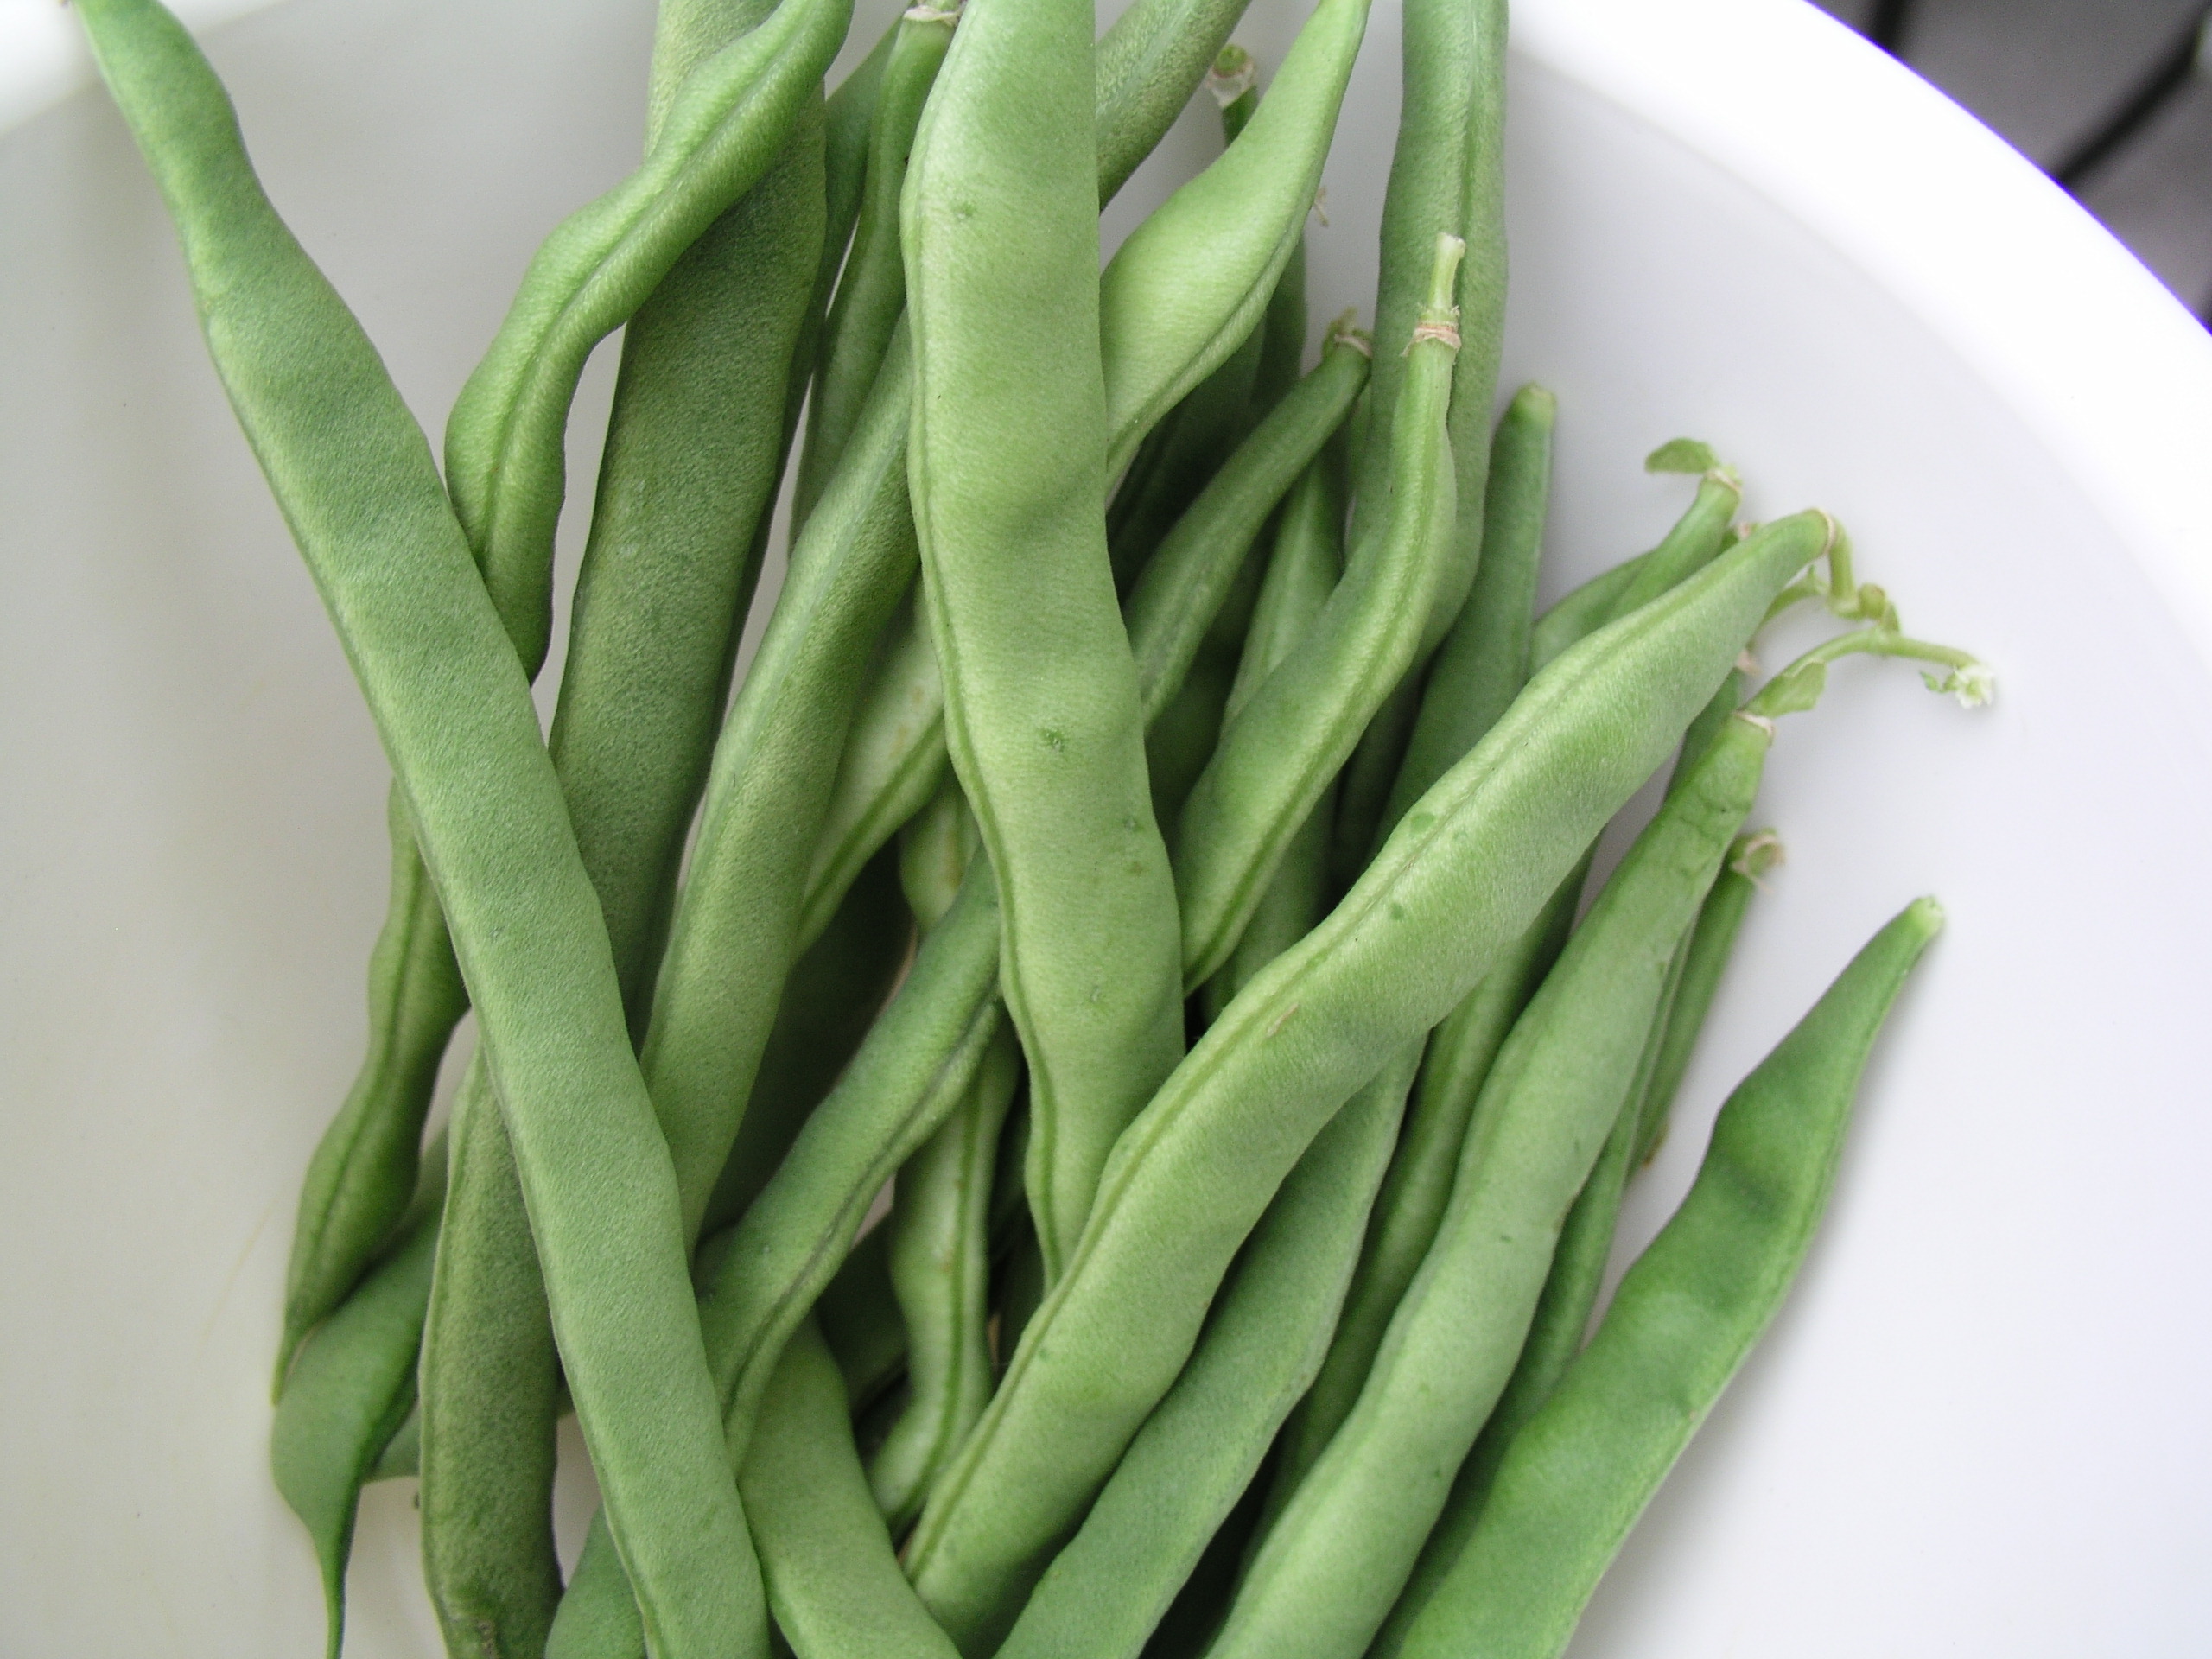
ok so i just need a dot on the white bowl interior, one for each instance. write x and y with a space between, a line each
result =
1977 1426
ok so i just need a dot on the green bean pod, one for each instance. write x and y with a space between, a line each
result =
504 465
893 762
1007 475
1181 453
1703 959
1182 589
351 1389
1681 1322
1107 1590
760 1279
872 292
1463 876
1193 281
356 482
491 1385
1480 669
1290 738
941 1268
735 928
1307 561
1326 1577
695 448
1445 171
366 1167
834 1585
1147 66
693 451
1562 1316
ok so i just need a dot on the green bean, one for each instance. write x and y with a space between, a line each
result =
694 450
1326 1577
1479 671
1563 1314
762 1278
1579 613
1194 279
352 1390
1465 874
1177 457
1484 661
860 1320
1300 726
872 291
735 925
491 1384
940 1267
1447 169
364 1168
1446 172
650 650
893 761
1557 1090
1196 1453
1182 589
834 1583
1698 978
1008 474
357 484
1681 1322
1307 560
1148 64
723 128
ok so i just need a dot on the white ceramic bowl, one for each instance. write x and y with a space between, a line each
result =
1977 1427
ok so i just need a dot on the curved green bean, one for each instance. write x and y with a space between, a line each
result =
1007 473
723 128
351 1389
1562 1315
762 1277
358 485
1287 742
1465 874
1680 1324
1147 66
941 1269
872 292
1192 282
1479 671
1446 172
1107 1590
1182 589
367 1165
833 1582
1326 1575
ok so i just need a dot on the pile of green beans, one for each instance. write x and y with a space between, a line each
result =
1079 1108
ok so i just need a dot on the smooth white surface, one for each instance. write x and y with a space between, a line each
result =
1977 1427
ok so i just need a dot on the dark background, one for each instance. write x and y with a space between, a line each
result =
2112 97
